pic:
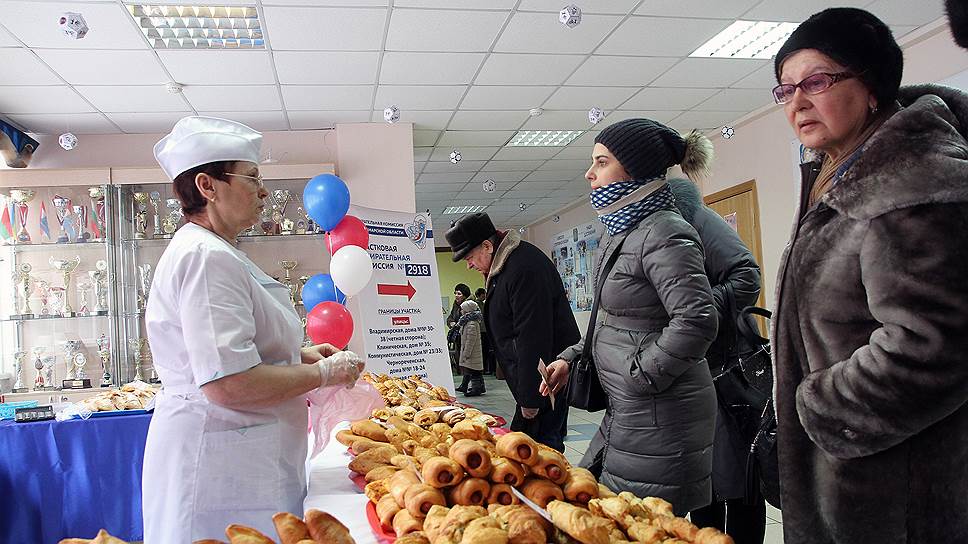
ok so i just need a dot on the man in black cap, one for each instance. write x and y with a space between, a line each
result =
528 318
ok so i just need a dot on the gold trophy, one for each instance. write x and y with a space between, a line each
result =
140 215
22 197
21 282
66 267
288 265
138 348
97 207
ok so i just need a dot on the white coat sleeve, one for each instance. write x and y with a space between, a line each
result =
216 312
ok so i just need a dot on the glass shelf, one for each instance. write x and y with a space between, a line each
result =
47 246
51 317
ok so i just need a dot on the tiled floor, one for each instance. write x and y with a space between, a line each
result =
582 426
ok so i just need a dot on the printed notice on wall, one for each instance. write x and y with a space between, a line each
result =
574 253
399 310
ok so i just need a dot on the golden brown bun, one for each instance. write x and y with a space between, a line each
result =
381 473
386 508
377 490
441 472
346 437
240 534
579 523
471 456
419 498
325 528
369 429
551 464
501 495
404 523
541 491
506 471
518 447
290 528
470 492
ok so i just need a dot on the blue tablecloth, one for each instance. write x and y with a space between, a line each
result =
71 478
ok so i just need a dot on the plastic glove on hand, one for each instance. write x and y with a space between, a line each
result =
341 368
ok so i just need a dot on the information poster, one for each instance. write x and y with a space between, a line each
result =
399 311
574 253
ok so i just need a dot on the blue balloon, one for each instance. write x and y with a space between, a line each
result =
320 288
327 199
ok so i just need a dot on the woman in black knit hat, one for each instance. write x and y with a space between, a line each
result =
655 321
871 320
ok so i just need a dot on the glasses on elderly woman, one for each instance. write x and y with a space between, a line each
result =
258 181
815 84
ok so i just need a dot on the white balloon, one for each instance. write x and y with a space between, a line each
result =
351 269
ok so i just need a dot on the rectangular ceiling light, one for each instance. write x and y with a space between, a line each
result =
540 138
747 40
199 27
453 210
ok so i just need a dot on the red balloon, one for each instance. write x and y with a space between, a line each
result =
349 232
330 322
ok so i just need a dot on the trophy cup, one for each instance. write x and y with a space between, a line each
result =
22 197
138 347
140 215
70 350
21 282
153 376
83 288
19 357
48 370
104 354
288 265
61 211
80 212
301 220
39 366
97 206
170 223
144 282
281 198
98 277
66 267
155 198
302 283
43 288
266 223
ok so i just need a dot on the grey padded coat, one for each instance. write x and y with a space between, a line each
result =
656 320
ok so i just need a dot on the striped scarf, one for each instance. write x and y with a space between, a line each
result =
622 205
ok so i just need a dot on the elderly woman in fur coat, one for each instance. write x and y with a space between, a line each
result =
871 339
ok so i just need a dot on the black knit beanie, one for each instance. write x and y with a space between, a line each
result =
856 39
645 149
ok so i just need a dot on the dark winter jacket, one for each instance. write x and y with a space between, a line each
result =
656 319
871 339
727 260
528 316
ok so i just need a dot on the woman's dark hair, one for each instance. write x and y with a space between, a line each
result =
464 289
480 292
192 201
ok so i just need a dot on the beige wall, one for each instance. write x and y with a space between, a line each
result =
376 161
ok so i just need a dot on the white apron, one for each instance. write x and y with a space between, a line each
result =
214 313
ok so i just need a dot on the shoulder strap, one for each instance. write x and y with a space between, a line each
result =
606 268
745 324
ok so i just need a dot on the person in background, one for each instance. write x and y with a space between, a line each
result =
528 317
871 327
227 442
471 355
461 293
480 296
730 267
656 320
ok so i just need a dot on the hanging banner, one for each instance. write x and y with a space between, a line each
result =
574 253
399 311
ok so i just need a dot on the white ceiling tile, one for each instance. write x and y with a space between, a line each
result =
35 23
353 3
7 40
526 164
333 29
498 97
21 67
469 153
327 97
234 98
657 98
524 194
78 123
578 166
122 98
318 67
476 137
425 137
431 187
900 30
703 72
422 153
422 120
533 184
420 97
658 116
542 33
462 166
613 71
523 69
576 98
429 68
418 167
761 79
796 12
525 153
448 177
661 37
259 120
502 178
600 6
443 30
145 123
559 120
309 120
552 175
720 9
462 4
476 195
105 67
41 99
744 100
906 12
704 120
488 120
219 67
576 152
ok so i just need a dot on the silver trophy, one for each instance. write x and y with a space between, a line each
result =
70 352
62 212
144 284
104 354
97 207
56 298
21 283
98 278
80 212
38 353
155 198
170 223
43 289
84 287
150 360
22 197
302 283
66 267
19 357
48 370
280 199
288 265
140 215
80 360
301 219
138 348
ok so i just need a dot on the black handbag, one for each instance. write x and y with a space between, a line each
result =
585 390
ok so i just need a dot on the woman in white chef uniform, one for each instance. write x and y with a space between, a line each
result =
227 443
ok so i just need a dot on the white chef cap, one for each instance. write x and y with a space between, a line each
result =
197 140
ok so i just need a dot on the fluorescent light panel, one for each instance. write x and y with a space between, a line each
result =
199 27
541 138
747 40
453 210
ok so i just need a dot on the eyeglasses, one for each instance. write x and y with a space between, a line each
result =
259 180
817 83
